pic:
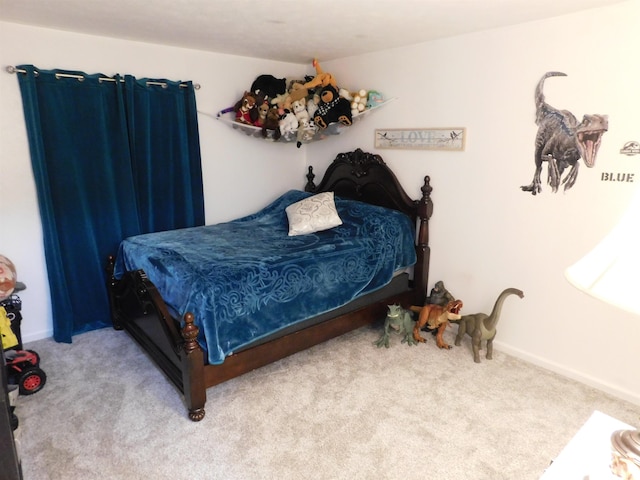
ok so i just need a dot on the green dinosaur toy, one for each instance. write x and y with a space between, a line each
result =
400 321
481 326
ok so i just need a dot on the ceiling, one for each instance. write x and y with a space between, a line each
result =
285 30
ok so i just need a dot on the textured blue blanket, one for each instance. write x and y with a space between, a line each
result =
247 279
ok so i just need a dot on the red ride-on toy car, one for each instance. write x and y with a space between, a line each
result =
22 366
23 369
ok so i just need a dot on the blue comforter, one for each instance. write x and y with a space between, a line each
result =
246 279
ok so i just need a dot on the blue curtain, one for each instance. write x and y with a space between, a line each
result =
85 133
163 128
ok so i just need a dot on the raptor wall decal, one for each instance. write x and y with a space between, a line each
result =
561 141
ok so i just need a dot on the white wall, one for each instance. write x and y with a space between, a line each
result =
487 234
240 174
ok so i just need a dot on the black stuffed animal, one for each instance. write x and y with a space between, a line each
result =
269 86
332 108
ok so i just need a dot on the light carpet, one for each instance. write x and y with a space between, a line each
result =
341 410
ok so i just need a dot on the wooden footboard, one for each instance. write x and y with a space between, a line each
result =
138 308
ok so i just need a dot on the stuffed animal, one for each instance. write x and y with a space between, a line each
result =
269 86
263 109
306 132
297 91
312 105
375 99
288 123
332 108
272 123
299 108
321 79
245 109
359 102
279 101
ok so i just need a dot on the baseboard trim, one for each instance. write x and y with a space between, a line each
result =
32 337
614 390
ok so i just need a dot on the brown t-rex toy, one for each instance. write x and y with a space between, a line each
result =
436 317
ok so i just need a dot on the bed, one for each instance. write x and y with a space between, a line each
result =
211 303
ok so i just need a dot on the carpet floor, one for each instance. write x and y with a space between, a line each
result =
341 410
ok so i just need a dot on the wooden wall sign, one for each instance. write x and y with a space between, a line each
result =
421 138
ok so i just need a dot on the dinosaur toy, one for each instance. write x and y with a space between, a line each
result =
561 141
440 295
436 317
481 326
398 320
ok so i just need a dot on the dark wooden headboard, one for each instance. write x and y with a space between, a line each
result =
366 177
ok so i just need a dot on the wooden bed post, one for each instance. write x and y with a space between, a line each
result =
310 186
111 285
195 394
421 271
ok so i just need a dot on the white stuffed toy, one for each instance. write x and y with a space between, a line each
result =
359 102
288 123
299 108
312 105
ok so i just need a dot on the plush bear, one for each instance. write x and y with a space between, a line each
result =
332 108
269 86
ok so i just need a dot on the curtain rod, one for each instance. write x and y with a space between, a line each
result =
12 69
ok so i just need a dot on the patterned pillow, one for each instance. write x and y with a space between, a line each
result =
313 214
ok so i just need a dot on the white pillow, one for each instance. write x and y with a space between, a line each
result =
313 214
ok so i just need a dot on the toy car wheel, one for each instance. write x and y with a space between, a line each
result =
31 380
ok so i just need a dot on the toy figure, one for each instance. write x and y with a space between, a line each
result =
288 123
321 79
398 320
332 108
272 122
436 317
245 109
263 109
440 295
375 99
269 86
306 132
481 326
